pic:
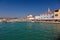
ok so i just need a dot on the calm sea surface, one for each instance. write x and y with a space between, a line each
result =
29 31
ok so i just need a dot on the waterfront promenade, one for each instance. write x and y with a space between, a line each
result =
50 20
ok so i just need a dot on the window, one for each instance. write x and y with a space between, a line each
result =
56 14
44 17
56 10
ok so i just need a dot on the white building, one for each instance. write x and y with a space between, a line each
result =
47 15
30 17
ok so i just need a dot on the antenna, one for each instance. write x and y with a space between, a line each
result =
48 9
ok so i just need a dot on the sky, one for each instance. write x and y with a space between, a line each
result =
21 8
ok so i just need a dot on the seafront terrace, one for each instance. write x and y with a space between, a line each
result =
49 20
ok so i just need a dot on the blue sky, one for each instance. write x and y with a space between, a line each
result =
21 8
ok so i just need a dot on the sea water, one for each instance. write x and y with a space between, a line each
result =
29 31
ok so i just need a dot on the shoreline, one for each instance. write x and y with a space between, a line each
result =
35 22
50 22
56 21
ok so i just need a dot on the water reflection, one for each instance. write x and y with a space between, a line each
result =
29 24
57 30
29 28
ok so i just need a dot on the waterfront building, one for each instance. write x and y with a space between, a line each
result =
46 15
30 17
57 14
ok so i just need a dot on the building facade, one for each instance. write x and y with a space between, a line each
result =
30 17
57 14
46 15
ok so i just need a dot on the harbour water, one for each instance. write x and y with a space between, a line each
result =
29 31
